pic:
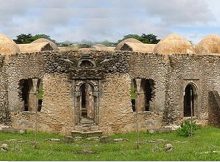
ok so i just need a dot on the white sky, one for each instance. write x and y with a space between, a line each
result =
98 20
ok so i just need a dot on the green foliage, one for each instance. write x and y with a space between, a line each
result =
24 38
84 45
40 93
187 128
144 38
28 38
133 93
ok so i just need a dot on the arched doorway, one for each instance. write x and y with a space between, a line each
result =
189 100
87 102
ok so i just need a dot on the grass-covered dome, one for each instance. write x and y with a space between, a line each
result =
209 44
131 40
174 44
41 40
8 46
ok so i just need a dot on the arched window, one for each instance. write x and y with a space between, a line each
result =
189 100
86 64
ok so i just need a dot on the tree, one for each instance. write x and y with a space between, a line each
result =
24 38
135 36
144 38
149 38
28 38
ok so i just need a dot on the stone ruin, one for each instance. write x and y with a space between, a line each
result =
101 90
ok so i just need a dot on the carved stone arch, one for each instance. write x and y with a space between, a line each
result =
86 100
94 84
190 99
78 85
194 86
86 63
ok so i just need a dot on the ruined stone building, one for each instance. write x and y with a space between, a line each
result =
109 90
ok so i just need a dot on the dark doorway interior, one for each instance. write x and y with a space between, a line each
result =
133 94
40 94
148 89
25 85
83 101
189 101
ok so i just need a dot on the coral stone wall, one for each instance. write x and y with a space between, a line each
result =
214 108
23 66
184 70
151 66
58 107
113 72
56 114
115 112
4 111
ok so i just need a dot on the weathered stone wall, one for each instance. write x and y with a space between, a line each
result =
114 72
23 66
115 112
214 108
56 114
151 66
185 69
4 110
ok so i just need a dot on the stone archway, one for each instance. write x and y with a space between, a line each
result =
86 101
190 99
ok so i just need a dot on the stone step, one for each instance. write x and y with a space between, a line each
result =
86 134
86 121
86 128
12 130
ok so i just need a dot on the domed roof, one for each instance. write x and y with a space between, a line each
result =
8 46
132 40
35 47
41 40
138 47
174 44
209 44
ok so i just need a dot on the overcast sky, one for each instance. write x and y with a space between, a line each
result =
98 20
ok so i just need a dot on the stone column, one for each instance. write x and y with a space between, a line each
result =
140 100
32 101
77 106
90 101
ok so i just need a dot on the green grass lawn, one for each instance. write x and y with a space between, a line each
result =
204 145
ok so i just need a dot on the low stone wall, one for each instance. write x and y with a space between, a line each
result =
214 108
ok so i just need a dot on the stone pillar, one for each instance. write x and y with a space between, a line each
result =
32 101
140 100
90 101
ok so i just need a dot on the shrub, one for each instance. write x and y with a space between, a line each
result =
187 128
